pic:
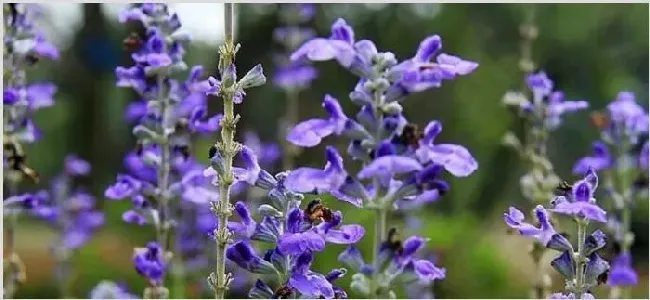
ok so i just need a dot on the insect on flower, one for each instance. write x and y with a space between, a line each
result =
316 211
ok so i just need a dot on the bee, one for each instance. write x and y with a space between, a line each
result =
411 135
563 188
283 292
599 120
132 43
317 211
393 241
17 162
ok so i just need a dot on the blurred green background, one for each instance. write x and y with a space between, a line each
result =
592 51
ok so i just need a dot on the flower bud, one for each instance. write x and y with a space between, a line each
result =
268 211
145 134
229 76
392 108
360 284
254 77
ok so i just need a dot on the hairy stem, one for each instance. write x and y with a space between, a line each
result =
623 185
15 273
290 119
162 228
380 234
228 147
581 261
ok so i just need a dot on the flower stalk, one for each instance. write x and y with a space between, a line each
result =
14 269
228 147
581 259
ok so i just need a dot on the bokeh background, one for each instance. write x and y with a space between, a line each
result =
592 51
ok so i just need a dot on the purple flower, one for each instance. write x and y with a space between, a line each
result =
425 270
388 166
540 84
599 161
307 282
455 158
246 226
405 264
547 105
338 46
515 219
40 95
557 107
75 166
580 201
197 188
294 76
419 73
310 133
251 172
196 123
150 262
297 240
621 272
627 115
245 257
310 180
126 186
36 204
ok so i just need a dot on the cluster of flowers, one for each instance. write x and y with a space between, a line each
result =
161 168
543 114
71 212
295 233
622 157
580 266
624 131
402 164
24 45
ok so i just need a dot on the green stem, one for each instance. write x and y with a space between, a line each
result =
228 149
380 234
15 272
581 261
163 226
623 187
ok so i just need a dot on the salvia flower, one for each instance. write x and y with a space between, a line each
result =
294 234
402 167
547 105
150 262
161 169
579 265
398 264
621 155
24 45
